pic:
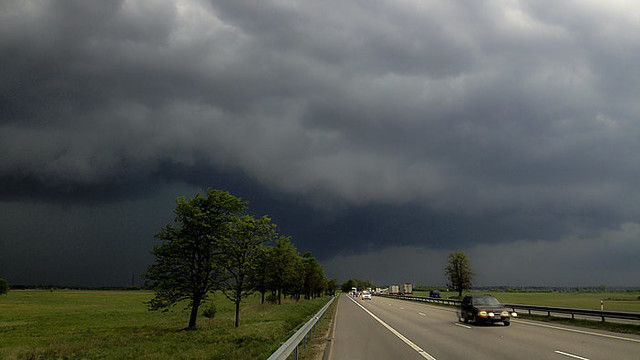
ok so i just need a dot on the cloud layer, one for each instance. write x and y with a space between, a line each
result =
434 124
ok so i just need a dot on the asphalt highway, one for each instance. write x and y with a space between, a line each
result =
384 328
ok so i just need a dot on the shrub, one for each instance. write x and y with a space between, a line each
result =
272 299
4 286
210 311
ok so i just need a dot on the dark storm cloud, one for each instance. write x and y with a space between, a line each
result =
356 125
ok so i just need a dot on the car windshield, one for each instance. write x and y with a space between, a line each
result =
486 301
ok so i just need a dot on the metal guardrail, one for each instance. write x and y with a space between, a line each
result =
602 314
291 345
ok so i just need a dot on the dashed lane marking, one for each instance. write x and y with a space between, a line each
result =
570 355
415 347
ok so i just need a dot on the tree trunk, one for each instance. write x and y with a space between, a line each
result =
237 312
194 311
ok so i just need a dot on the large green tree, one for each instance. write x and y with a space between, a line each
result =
314 280
284 268
187 263
458 272
259 279
242 249
332 285
4 286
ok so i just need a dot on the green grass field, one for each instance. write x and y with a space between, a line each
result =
117 325
620 301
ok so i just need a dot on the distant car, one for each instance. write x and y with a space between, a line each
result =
434 293
484 308
366 295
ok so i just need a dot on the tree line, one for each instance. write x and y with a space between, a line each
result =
358 284
214 244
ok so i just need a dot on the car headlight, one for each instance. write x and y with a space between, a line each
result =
505 313
491 314
482 313
514 314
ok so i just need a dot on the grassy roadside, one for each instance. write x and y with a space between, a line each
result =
117 325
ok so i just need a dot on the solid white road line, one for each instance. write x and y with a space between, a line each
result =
333 332
570 355
422 314
415 347
464 326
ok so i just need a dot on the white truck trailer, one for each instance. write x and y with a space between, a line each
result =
407 288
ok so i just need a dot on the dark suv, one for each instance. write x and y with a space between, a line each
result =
484 308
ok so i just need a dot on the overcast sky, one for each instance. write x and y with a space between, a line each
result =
379 134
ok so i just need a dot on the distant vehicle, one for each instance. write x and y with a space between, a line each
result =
407 288
354 291
434 294
484 308
394 290
366 295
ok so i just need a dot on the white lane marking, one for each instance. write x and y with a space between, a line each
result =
422 314
415 347
576 331
570 355
401 308
464 326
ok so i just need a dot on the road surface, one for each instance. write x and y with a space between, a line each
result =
384 328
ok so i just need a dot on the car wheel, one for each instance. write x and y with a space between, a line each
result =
507 323
465 318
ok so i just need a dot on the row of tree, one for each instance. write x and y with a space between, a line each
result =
214 244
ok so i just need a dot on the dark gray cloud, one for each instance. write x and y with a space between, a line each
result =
359 126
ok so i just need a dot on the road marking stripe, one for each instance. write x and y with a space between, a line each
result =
577 331
415 347
333 331
422 314
464 326
570 355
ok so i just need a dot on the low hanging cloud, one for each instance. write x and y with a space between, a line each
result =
607 259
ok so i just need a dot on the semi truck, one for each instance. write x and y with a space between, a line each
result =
407 288
394 289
